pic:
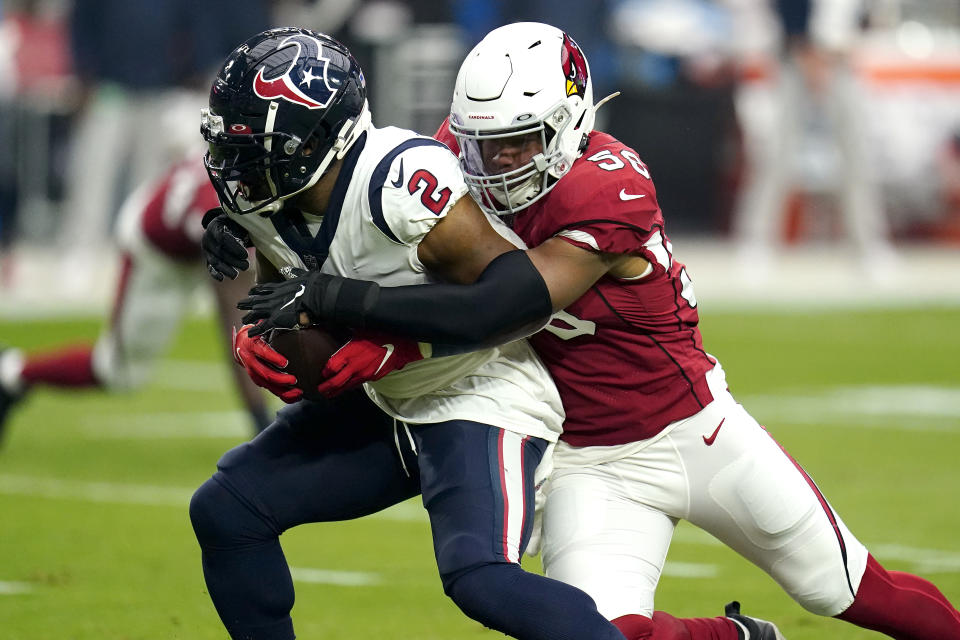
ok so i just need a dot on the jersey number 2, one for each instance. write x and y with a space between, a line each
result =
431 198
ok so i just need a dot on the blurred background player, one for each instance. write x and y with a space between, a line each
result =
159 236
802 110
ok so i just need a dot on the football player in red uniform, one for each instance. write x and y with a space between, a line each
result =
159 232
652 434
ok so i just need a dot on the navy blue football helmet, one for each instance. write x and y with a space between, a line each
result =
285 105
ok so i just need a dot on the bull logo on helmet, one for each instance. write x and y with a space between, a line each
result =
304 81
574 67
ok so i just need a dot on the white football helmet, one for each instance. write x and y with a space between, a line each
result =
521 79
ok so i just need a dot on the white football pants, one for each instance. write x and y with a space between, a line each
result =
153 296
608 520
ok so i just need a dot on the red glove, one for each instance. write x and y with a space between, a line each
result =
262 364
366 358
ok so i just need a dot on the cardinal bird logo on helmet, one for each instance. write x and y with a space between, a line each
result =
574 67
304 81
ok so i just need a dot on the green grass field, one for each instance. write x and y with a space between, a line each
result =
95 541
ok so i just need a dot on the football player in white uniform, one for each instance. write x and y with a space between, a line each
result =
158 234
304 176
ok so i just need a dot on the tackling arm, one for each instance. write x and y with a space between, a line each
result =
495 293
513 297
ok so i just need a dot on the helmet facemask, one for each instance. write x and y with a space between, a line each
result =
507 192
252 171
245 167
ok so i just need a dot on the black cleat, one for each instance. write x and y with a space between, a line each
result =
7 400
751 628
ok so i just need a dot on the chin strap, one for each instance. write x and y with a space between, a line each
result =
352 130
268 210
268 141
347 135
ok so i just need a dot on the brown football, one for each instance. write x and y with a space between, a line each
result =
307 351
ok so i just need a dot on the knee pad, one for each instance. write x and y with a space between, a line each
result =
824 572
475 590
506 598
819 585
221 518
458 556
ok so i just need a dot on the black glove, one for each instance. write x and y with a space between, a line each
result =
278 305
224 245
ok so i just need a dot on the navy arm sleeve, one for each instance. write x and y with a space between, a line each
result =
508 301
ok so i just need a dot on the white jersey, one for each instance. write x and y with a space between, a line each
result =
393 188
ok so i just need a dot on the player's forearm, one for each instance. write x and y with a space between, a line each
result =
508 301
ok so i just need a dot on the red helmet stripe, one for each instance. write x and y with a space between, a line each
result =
281 88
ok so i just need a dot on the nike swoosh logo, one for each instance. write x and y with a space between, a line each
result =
630 196
294 298
389 347
713 436
399 181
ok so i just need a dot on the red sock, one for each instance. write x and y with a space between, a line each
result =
635 627
901 605
665 627
66 367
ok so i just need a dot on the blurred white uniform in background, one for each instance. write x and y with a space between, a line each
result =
800 108
122 139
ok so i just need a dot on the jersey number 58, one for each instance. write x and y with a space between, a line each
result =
609 162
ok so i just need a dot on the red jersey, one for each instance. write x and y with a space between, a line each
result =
627 356
170 218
